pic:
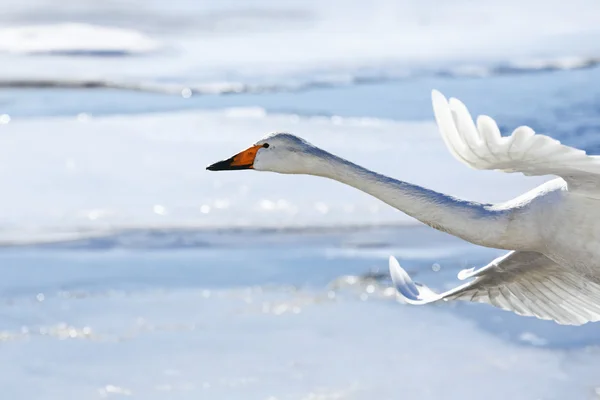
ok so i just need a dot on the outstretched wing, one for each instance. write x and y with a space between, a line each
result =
526 283
481 146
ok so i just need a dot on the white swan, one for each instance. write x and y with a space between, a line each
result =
553 269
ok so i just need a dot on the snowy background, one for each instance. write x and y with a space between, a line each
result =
129 271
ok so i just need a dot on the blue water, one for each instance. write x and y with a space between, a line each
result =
563 104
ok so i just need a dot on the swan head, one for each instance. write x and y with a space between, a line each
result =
279 152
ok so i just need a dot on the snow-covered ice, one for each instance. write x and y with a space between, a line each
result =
292 42
146 171
72 38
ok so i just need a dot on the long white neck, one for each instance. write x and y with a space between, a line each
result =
482 224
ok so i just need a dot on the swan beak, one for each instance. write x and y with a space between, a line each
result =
242 160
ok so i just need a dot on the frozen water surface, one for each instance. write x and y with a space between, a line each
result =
272 318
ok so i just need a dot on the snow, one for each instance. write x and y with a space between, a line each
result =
73 38
296 42
148 171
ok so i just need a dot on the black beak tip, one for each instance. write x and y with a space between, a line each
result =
225 165
220 166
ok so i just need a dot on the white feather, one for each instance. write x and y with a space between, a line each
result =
526 283
482 147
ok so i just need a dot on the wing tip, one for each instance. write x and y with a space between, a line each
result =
406 289
456 105
437 96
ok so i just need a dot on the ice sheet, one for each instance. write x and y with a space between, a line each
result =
86 174
295 42
74 39
157 325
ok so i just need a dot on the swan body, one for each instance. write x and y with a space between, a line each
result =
552 270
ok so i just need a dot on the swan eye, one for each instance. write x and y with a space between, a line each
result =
266 145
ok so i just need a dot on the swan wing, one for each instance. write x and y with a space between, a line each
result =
481 146
526 283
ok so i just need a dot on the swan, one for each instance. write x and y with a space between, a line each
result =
552 268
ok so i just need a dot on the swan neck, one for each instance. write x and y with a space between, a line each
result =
477 223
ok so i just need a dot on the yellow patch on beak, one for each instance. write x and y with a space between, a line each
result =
242 160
